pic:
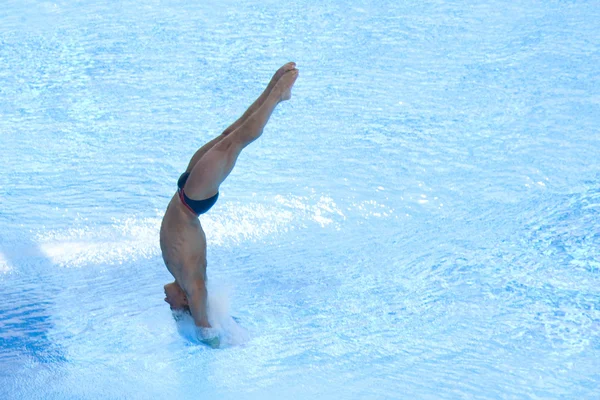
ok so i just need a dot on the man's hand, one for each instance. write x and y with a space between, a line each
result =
209 337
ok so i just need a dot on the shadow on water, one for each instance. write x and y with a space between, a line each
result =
27 295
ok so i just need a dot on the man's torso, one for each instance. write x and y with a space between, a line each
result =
183 243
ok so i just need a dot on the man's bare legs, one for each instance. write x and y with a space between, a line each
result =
257 103
218 162
261 99
211 169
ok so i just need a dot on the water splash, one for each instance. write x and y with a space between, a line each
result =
225 331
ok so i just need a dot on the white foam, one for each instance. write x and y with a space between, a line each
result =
4 266
322 212
371 208
229 332
125 240
231 224
135 238
236 222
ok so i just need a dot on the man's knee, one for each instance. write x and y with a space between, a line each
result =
230 148
230 143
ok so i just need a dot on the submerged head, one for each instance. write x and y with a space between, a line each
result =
176 297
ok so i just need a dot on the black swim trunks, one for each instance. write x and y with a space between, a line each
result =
196 206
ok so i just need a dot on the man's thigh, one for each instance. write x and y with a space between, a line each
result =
212 169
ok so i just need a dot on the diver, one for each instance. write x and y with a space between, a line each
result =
182 240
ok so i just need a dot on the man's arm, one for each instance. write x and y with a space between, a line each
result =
198 301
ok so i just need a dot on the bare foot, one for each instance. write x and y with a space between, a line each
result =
287 67
283 88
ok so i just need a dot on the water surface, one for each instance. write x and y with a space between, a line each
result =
421 220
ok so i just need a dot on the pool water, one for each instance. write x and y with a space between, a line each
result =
420 221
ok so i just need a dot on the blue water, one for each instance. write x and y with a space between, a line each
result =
420 221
